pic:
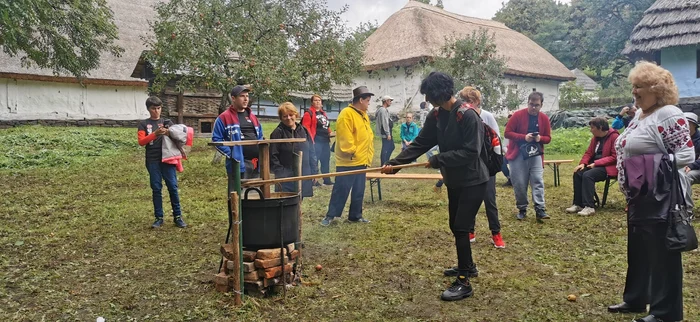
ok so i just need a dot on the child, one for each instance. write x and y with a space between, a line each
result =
150 135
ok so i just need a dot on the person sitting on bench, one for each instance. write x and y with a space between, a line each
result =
597 164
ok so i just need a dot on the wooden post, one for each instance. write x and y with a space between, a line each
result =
180 108
237 269
264 165
298 159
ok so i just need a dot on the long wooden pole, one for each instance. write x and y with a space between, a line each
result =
257 183
237 291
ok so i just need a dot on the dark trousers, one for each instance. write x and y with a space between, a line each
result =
323 153
654 274
491 208
159 172
463 205
584 185
342 188
387 149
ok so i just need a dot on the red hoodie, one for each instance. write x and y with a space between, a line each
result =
516 129
309 121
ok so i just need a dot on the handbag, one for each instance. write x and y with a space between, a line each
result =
680 234
530 149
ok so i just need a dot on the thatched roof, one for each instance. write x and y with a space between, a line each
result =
667 23
418 31
131 17
584 81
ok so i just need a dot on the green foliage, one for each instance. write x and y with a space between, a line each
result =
39 147
572 141
474 61
64 36
276 46
570 93
585 33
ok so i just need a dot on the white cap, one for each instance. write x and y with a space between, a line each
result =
692 117
387 98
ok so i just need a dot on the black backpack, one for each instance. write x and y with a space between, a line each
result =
493 159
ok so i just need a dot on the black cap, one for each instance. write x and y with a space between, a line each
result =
238 90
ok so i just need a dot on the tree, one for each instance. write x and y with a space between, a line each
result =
61 35
603 27
570 93
526 16
474 61
439 4
277 46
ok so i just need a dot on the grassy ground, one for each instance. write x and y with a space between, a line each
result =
75 244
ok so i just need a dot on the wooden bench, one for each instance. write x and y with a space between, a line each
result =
375 178
554 165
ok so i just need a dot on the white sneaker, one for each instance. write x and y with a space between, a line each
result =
573 209
587 211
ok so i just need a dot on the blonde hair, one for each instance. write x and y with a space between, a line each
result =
471 95
287 108
659 80
314 96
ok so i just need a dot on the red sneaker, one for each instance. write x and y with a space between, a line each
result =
472 237
497 240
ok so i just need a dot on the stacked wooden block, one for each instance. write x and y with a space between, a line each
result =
261 269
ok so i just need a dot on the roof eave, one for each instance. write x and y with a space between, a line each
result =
73 80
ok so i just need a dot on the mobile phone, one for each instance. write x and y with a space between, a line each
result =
535 133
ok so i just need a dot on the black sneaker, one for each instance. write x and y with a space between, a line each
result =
157 223
328 183
179 222
454 272
541 216
460 289
361 220
522 214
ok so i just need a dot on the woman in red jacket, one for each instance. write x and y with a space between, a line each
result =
598 163
316 122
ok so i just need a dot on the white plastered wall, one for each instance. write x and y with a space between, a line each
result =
403 85
33 100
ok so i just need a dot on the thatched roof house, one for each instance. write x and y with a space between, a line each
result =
415 34
418 31
588 84
669 33
667 23
109 92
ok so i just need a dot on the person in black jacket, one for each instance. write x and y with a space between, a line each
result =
282 154
458 131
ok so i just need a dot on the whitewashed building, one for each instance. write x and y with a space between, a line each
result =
108 92
397 52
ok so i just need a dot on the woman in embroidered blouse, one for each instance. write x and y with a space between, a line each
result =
654 274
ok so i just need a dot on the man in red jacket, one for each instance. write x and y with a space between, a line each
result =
598 163
528 130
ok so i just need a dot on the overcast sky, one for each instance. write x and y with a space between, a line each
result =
380 10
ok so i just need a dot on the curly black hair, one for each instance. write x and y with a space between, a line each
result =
438 88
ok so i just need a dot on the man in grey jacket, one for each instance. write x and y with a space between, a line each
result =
384 128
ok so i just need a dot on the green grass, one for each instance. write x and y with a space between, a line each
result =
75 244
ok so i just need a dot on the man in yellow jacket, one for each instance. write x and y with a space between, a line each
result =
354 150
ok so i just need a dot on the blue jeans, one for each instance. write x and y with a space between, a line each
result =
504 168
528 171
159 171
323 153
341 190
433 151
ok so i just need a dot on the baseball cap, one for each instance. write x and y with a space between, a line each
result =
387 98
238 89
692 117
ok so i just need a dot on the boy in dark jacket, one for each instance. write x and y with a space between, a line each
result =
459 132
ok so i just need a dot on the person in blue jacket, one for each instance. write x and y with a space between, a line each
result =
409 131
238 123
626 115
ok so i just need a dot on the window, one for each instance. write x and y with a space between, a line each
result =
206 126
